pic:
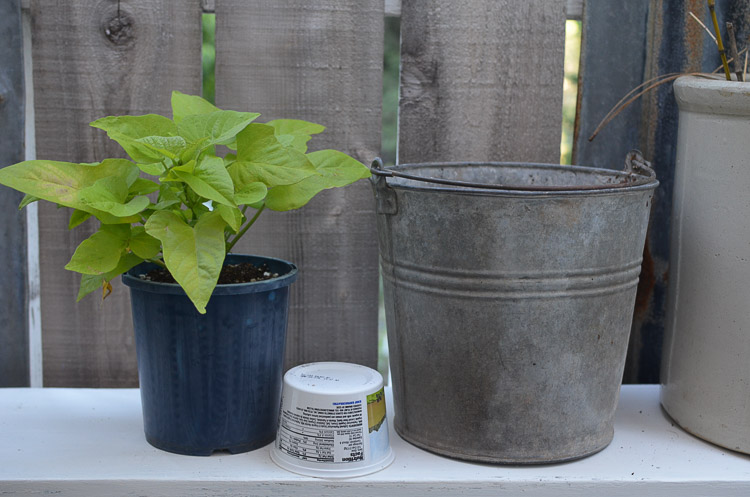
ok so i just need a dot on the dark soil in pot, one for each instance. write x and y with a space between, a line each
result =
245 272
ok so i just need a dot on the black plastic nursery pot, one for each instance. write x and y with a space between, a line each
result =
211 381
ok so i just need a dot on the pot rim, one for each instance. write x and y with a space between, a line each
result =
131 279
712 96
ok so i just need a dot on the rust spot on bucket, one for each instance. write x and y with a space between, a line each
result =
646 283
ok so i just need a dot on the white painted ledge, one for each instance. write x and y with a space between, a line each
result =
79 443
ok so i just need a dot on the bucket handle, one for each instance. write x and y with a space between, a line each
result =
637 169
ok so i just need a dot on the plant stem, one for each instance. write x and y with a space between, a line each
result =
733 53
229 233
245 228
158 262
722 53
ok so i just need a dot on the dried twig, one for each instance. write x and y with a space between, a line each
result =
703 26
616 108
652 83
732 45
722 52
721 66
635 94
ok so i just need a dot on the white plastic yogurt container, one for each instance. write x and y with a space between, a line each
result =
333 421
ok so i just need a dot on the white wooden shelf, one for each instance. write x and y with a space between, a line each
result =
89 442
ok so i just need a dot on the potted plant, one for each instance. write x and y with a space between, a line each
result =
209 357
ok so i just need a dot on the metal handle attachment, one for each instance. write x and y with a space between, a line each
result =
636 164
385 198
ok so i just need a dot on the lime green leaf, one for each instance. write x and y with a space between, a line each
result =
169 146
188 105
209 179
114 187
106 218
93 282
62 182
127 130
131 175
251 193
168 193
127 262
218 126
142 186
108 195
336 169
89 283
261 157
26 200
231 215
137 126
194 150
245 173
154 169
142 244
100 252
160 206
188 167
294 133
194 256
77 218
289 197
201 187
258 143
199 210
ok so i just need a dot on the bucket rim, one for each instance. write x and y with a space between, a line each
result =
132 280
633 180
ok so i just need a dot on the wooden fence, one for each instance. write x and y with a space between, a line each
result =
480 80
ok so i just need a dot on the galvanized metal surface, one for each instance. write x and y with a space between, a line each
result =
509 312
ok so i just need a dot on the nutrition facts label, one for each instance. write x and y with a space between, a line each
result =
325 434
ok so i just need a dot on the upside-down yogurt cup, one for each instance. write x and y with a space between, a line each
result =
333 421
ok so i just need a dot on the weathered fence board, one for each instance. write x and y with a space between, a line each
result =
94 58
320 61
573 8
481 80
624 44
14 343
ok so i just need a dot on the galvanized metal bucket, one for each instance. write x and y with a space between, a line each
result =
509 295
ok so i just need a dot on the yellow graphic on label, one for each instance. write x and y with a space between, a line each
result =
376 410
